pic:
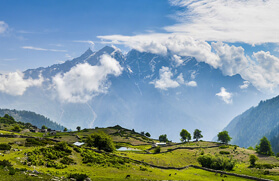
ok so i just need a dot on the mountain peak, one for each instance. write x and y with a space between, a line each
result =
87 53
107 49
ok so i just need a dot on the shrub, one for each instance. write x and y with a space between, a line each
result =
12 171
5 163
157 149
252 160
265 166
78 176
29 142
16 128
224 152
224 146
4 146
101 141
67 161
63 146
216 162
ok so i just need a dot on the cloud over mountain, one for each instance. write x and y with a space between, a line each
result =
14 83
85 81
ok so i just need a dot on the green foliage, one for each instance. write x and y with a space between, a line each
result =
265 166
65 130
5 146
101 141
157 149
224 137
216 162
16 128
252 160
250 148
224 146
264 147
185 135
147 134
90 156
12 171
78 176
47 156
163 138
44 127
78 128
224 152
36 142
197 134
5 163
67 161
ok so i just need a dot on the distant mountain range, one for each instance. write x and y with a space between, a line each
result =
263 120
31 117
160 94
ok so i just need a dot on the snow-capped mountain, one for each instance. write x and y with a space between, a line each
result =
160 94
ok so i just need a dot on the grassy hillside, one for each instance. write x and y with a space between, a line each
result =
46 157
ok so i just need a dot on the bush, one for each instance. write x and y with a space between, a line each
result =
4 146
224 146
78 176
29 142
101 141
16 128
252 160
224 152
216 162
157 149
67 161
265 166
12 171
5 163
89 156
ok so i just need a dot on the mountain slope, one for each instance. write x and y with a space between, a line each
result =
263 120
31 117
136 100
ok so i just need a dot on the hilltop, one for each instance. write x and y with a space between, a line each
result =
54 156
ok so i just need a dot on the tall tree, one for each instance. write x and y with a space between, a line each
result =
163 138
264 147
78 128
185 135
197 134
224 137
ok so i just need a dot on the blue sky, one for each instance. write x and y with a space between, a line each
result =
53 24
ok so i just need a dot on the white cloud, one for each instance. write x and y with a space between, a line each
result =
245 85
177 44
249 21
181 80
14 83
84 81
192 84
3 27
225 96
91 43
42 49
165 82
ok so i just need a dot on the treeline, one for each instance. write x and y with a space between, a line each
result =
31 117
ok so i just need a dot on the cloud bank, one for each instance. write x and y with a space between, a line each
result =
84 81
15 84
248 21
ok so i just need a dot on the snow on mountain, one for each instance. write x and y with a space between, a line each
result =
160 94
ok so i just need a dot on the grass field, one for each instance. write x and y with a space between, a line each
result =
170 156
